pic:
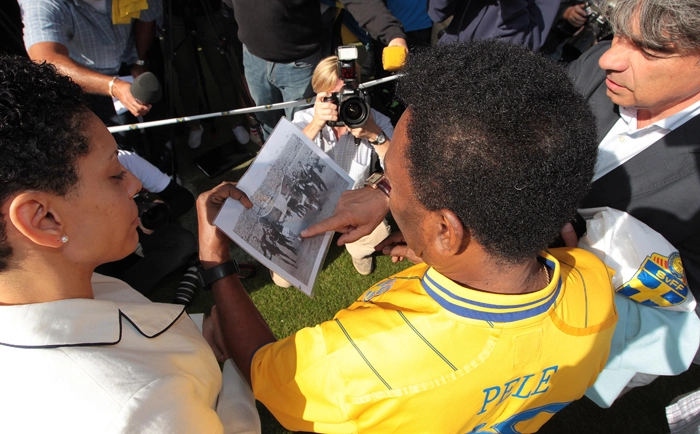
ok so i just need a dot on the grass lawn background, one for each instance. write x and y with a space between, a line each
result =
640 411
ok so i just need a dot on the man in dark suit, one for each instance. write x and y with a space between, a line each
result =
644 88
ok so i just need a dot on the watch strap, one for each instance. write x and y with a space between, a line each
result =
381 138
377 181
211 275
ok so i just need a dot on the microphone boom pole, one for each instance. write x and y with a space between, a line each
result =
260 108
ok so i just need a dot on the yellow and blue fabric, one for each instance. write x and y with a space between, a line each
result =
418 345
660 282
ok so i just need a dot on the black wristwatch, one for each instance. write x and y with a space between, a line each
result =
207 277
381 138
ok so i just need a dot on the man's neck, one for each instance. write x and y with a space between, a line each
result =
646 116
483 273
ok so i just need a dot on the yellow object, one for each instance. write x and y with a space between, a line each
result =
124 10
418 353
393 58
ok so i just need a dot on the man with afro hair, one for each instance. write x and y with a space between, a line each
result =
492 332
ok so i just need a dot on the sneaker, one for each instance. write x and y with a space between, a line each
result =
364 266
188 287
279 280
195 138
241 135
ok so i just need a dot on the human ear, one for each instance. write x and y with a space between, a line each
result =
452 237
35 217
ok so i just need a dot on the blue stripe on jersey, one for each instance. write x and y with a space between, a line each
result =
540 306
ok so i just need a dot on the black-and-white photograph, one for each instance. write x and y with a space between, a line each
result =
293 185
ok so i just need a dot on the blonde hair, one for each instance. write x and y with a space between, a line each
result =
326 74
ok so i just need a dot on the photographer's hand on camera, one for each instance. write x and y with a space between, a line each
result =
371 132
324 111
576 15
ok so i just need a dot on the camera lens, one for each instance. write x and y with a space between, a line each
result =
354 112
156 216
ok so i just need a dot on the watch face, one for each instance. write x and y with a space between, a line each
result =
374 178
381 138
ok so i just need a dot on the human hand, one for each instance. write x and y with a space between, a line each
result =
568 235
370 130
395 246
214 244
324 111
211 330
122 92
576 15
398 42
357 214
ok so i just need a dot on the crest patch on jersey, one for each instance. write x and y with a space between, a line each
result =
660 281
378 289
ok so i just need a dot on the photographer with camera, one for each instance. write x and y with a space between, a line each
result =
579 25
575 14
344 126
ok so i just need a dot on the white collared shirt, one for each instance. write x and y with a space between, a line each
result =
355 159
625 141
114 364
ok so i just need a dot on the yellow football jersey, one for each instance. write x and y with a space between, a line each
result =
418 353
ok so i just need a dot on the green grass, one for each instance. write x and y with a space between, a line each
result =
640 411
287 310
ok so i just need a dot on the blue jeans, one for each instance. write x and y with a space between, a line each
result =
271 83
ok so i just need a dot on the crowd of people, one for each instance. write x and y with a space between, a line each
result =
502 321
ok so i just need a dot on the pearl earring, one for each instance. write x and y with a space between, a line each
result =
64 239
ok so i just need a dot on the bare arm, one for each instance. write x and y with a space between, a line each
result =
370 130
244 329
91 81
144 32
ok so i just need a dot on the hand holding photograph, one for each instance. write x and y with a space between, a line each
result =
293 184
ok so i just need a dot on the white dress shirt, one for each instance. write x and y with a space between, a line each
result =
355 159
114 364
624 140
152 179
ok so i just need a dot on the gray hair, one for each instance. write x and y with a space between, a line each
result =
663 24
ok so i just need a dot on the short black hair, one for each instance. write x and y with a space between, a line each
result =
41 133
499 136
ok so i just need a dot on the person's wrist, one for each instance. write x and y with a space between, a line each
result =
111 84
208 275
210 261
213 255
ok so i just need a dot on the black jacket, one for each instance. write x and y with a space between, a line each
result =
661 185
285 31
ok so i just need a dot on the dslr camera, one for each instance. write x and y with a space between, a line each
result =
353 103
153 212
596 28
